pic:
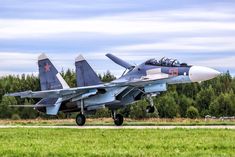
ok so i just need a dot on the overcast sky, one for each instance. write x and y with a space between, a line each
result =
200 32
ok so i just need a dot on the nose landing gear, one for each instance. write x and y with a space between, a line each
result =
151 107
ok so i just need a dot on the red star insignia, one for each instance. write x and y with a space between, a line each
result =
47 67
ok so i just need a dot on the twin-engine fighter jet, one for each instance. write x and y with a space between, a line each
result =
142 81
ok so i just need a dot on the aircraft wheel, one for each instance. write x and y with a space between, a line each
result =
150 109
118 120
80 119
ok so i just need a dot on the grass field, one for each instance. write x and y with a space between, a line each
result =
127 122
120 142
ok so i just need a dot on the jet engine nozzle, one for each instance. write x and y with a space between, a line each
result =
199 73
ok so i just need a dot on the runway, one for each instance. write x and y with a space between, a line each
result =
123 127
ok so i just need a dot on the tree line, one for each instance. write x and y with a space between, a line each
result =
195 100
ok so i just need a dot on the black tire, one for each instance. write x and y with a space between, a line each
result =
80 119
150 109
118 120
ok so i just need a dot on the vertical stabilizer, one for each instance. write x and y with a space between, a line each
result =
86 76
50 78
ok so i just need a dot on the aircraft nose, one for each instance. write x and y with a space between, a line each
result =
199 73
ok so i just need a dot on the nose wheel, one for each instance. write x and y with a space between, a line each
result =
80 119
150 109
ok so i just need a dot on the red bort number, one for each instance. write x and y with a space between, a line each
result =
173 72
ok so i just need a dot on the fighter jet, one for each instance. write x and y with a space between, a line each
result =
138 82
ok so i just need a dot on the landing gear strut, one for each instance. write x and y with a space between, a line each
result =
150 108
117 118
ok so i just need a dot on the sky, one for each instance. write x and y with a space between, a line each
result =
198 32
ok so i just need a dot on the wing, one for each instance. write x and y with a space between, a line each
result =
140 82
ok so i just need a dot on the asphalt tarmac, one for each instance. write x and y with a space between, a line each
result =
124 127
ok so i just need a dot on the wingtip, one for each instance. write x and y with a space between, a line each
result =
42 56
79 58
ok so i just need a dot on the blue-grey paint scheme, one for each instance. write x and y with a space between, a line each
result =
47 75
85 74
141 81
119 61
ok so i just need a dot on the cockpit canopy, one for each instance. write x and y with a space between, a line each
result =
166 62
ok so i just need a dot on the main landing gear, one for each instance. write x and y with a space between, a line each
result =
117 118
81 119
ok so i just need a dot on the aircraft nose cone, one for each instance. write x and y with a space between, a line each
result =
199 73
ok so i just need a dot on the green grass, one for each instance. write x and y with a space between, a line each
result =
127 122
120 142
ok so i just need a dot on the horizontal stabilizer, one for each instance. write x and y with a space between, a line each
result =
21 94
56 93
31 106
120 61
